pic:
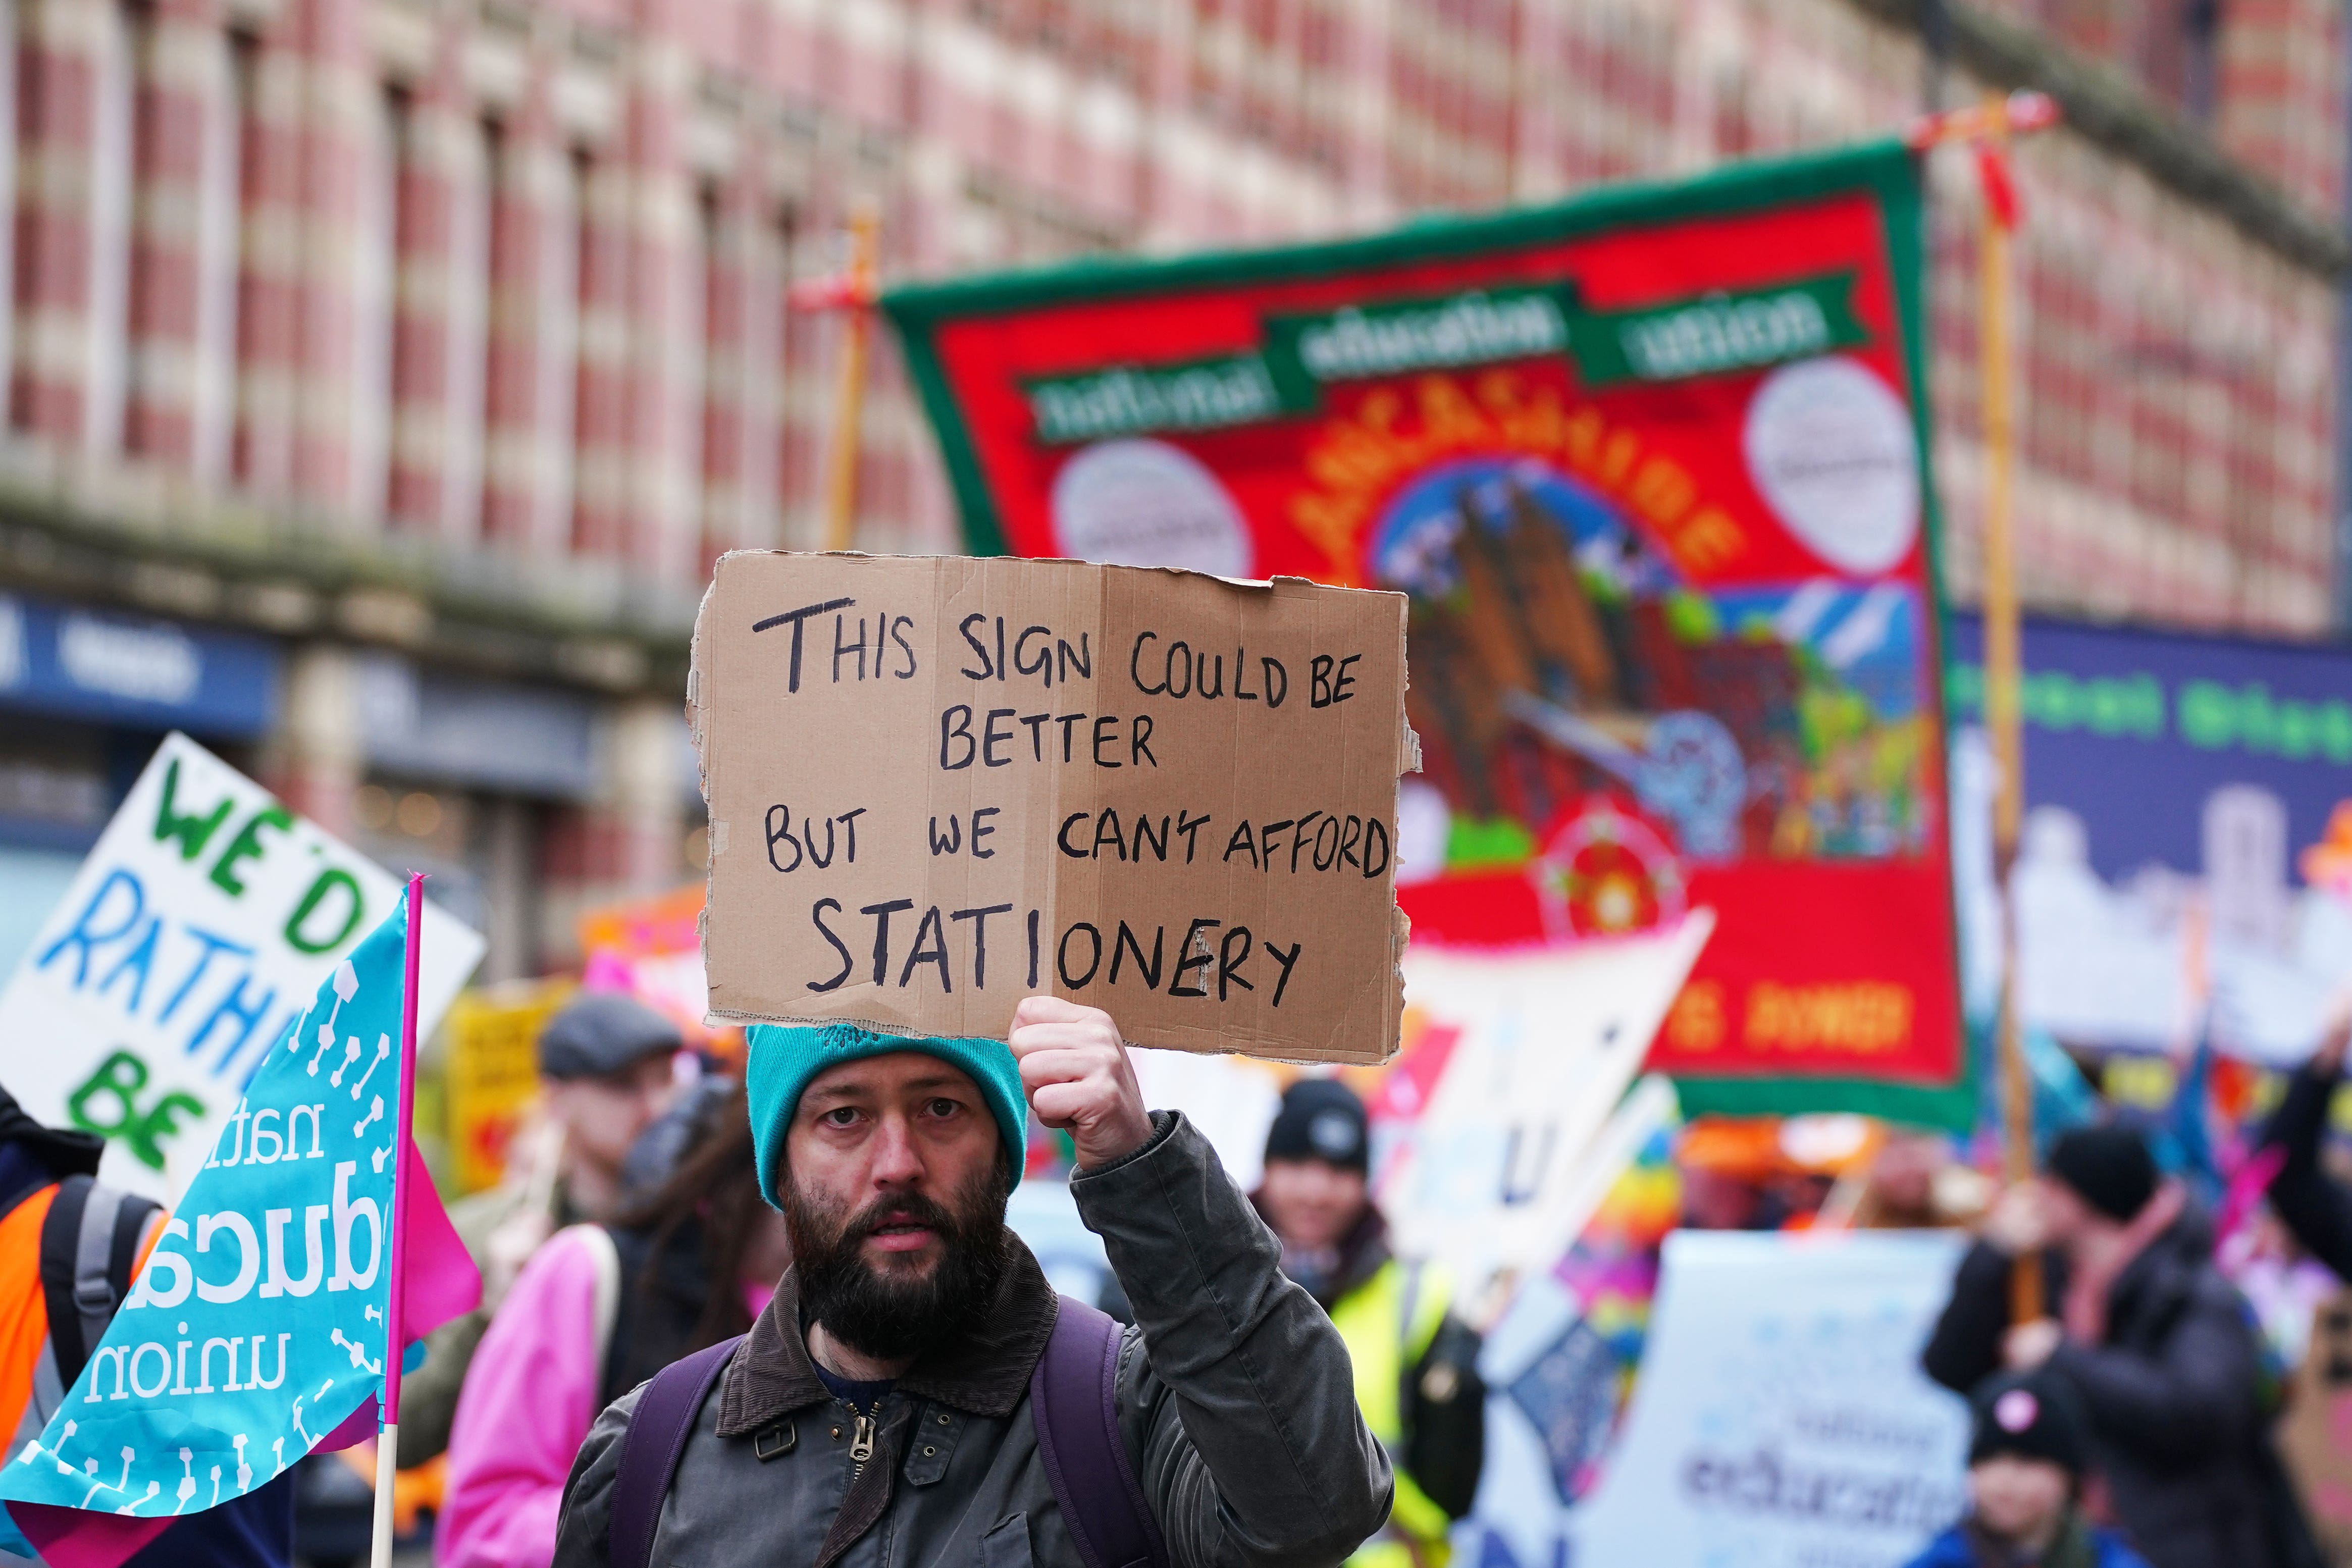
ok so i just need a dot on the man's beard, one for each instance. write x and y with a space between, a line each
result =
889 1312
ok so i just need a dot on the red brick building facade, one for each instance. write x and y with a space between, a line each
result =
454 335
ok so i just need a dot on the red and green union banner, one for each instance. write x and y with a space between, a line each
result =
1653 466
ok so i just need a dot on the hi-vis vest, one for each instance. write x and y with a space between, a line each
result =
1388 1323
67 1255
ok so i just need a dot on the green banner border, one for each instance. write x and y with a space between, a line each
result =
1885 169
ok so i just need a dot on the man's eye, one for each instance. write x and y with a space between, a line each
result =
945 1108
840 1116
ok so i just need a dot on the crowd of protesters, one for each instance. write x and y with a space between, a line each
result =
796 1278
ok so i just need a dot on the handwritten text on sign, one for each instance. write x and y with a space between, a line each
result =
939 784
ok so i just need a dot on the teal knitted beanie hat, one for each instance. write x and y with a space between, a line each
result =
781 1061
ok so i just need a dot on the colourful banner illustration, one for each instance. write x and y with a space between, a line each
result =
1651 465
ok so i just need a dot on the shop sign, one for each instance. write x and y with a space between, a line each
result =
131 670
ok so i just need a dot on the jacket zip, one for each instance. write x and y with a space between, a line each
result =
861 1442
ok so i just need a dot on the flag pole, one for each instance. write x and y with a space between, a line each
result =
387 1440
1988 127
849 393
2003 703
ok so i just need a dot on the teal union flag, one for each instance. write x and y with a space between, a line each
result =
258 1327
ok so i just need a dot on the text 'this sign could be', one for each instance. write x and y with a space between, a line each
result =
938 785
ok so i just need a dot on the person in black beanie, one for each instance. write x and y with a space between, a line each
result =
2028 1452
1416 1363
2153 1344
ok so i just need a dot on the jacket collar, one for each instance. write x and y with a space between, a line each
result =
985 1371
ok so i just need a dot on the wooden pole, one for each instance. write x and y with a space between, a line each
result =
387 1437
2002 705
849 391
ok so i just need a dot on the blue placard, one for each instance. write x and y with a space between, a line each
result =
2134 730
132 670
2182 795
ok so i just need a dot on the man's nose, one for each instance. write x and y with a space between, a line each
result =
896 1162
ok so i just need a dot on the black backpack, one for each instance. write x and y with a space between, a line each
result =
1071 1396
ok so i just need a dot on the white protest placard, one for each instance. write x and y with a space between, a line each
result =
1506 1163
195 933
1780 1418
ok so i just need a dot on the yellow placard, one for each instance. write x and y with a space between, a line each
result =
493 1072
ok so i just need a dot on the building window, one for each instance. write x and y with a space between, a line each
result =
557 345
505 386
8 124
219 255
256 352
126 32
705 374
469 336
596 370
379 233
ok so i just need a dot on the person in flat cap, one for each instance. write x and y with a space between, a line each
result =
1415 1363
606 1069
2029 1453
917 1392
2157 1349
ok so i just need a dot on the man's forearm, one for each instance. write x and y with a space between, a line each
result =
1263 1390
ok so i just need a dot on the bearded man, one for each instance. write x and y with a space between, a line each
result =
879 1411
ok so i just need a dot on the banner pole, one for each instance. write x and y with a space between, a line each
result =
387 1438
2002 706
849 391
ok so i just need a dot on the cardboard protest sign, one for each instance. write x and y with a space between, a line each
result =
1651 466
191 941
938 785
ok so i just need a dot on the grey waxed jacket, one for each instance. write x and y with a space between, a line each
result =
1234 1394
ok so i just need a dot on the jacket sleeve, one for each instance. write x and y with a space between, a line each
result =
1965 1349
529 1399
1235 1391
584 1534
2194 1398
2310 1203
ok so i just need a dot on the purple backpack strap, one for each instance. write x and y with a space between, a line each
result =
652 1446
1072 1396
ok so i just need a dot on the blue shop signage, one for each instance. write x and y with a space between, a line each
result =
131 670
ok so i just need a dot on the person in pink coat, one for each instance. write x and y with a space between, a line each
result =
596 1311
